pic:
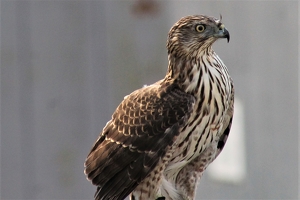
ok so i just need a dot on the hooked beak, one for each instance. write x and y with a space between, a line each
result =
223 33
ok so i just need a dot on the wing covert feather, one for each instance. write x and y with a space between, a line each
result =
140 132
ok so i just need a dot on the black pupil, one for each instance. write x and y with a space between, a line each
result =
200 28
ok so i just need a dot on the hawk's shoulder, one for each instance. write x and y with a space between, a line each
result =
141 130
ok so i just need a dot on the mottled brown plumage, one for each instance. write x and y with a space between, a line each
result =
163 136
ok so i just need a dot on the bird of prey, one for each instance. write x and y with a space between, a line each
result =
162 137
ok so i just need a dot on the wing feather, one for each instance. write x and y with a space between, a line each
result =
142 129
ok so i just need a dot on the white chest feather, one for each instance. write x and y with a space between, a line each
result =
212 89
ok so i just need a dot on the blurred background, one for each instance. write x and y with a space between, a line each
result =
66 65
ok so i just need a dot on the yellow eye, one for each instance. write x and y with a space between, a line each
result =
200 28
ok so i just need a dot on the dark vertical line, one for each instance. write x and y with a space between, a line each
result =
0 99
26 101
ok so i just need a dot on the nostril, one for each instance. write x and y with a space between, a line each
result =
221 27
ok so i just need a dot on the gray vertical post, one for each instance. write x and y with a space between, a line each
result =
26 100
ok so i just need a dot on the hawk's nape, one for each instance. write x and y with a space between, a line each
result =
162 137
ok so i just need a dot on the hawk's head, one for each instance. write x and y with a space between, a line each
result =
193 33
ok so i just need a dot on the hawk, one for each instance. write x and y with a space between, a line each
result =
162 137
